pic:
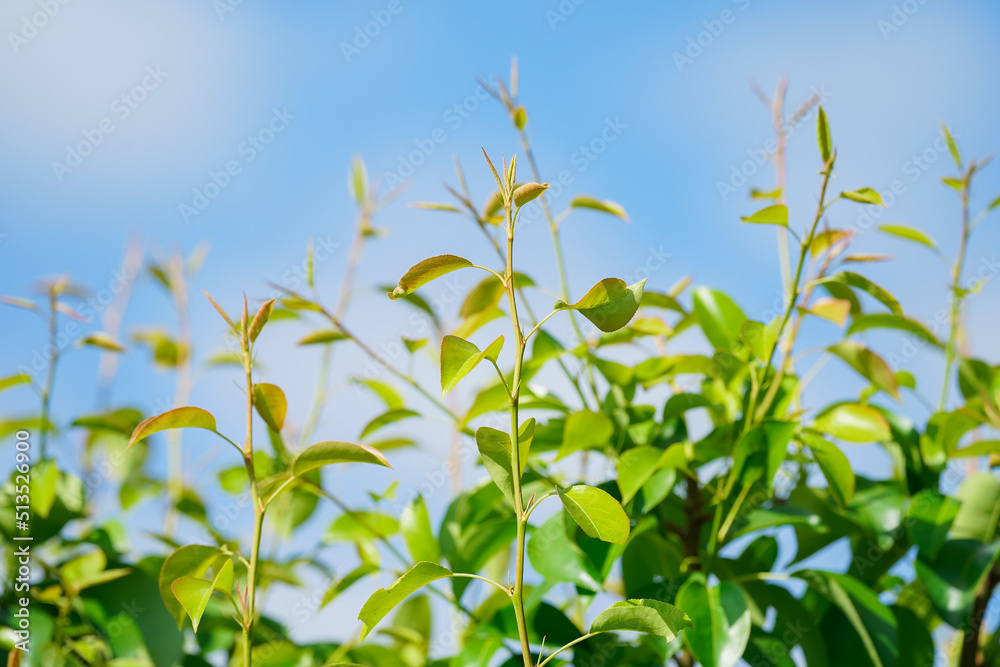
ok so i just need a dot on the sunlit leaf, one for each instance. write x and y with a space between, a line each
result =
427 270
830 309
835 467
772 215
853 422
609 305
720 318
260 319
528 192
194 592
720 621
415 525
271 404
863 196
188 417
323 336
585 429
649 616
102 340
596 512
333 451
603 205
384 600
868 364
909 233
823 135
459 357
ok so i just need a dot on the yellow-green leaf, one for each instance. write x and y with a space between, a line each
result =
596 512
425 271
334 451
271 404
609 305
772 215
187 417
384 600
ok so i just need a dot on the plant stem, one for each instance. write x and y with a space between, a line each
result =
753 411
569 645
956 296
970 642
258 508
515 452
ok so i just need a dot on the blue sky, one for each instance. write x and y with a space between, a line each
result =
169 93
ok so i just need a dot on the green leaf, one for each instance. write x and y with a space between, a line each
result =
323 336
853 422
603 205
271 405
868 364
720 318
390 396
556 556
952 146
980 510
909 233
347 581
359 526
596 512
528 192
872 620
194 593
18 302
192 560
386 418
823 136
929 518
423 272
358 181
720 621
772 215
102 340
88 570
834 466
188 417
609 305
862 322
459 357
415 525
260 319
857 281
953 577
520 118
649 616
14 380
760 453
495 448
384 600
760 338
863 196
44 487
333 451
585 429
981 448
635 467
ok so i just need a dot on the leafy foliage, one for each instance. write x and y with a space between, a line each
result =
698 486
